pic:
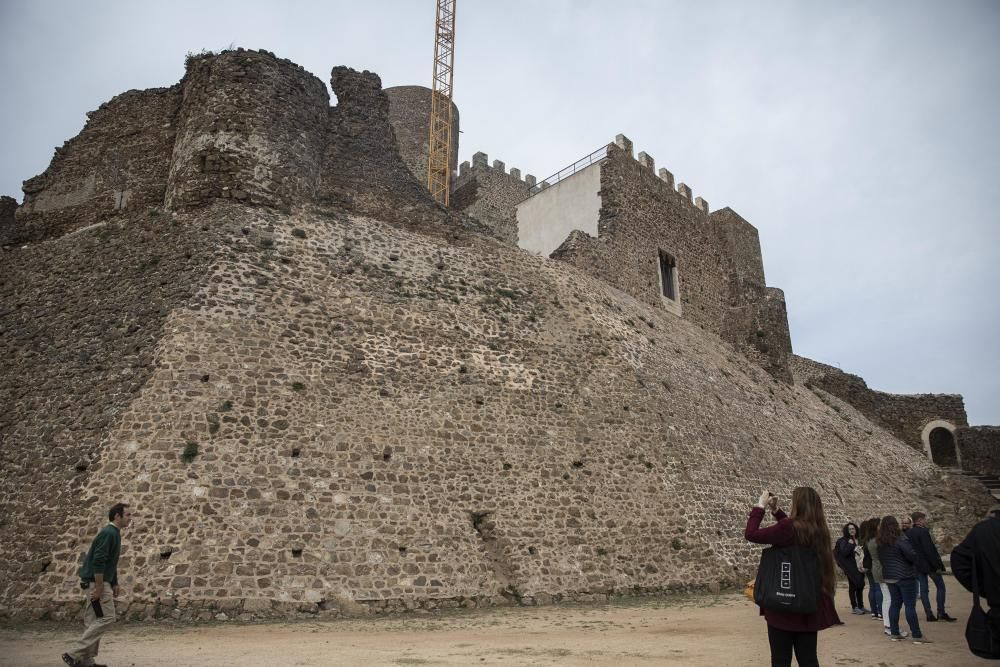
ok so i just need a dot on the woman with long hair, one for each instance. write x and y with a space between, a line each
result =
866 533
846 549
898 560
804 526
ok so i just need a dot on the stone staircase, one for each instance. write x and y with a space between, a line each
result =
991 482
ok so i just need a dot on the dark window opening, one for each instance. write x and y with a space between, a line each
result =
668 266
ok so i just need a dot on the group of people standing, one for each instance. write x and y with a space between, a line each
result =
898 561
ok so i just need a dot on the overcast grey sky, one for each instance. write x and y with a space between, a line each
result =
860 138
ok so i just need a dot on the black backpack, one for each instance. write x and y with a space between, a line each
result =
788 580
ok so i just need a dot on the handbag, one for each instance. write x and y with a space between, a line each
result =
788 580
980 637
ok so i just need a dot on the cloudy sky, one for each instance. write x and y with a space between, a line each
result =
860 138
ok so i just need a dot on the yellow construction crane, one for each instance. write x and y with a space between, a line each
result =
439 145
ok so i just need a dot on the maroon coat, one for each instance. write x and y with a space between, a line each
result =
782 534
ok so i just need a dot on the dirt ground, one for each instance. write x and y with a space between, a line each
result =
682 630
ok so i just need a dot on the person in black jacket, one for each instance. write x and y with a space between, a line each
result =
980 552
843 553
898 558
929 565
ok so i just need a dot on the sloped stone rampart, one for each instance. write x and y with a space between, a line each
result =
980 449
410 117
386 420
118 163
904 415
80 318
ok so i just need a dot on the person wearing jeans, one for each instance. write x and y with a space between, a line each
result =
898 559
929 566
866 534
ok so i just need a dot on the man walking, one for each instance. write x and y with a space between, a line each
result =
99 580
929 565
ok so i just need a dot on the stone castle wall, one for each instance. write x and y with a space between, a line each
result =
8 206
720 270
387 420
903 415
490 194
252 127
357 406
980 449
409 115
118 162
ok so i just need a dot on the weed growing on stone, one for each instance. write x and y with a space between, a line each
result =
190 452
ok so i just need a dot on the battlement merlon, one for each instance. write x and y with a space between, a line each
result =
481 162
646 161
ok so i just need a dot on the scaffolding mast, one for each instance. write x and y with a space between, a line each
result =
439 144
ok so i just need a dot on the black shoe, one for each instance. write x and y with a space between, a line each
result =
931 618
70 660
945 617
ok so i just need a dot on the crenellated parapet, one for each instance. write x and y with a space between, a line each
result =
619 218
490 193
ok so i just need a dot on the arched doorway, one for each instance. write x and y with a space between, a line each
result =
940 444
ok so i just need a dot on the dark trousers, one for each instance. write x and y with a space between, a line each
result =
874 594
925 591
904 594
856 591
784 642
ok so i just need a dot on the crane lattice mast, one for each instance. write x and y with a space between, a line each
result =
439 144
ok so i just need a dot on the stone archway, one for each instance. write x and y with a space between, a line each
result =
940 443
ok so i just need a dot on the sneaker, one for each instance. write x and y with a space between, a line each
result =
856 610
888 633
874 615
945 617
70 660
897 638
921 640
931 618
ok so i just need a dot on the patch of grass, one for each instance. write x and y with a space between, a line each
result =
190 452
298 386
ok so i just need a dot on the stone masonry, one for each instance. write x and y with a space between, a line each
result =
490 194
409 115
719 265
903 415
980 448
353 403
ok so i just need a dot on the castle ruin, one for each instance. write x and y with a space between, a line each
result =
237 308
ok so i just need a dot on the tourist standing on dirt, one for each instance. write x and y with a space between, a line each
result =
929 566
845 551
99 580
866 533
898 561
805 526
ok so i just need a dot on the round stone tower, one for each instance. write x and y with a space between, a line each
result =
410 115
251 127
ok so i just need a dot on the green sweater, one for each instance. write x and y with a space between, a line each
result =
102 558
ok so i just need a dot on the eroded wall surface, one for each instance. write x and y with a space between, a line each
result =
905 415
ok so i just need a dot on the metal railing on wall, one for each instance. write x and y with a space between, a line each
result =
566 172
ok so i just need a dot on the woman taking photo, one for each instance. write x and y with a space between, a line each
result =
804 526
898 559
